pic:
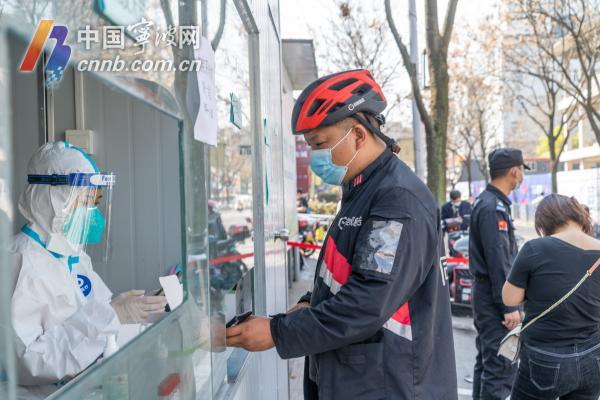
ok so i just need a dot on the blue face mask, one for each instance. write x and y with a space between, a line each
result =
321 162
84 225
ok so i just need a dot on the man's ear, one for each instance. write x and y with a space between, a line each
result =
361 134
515 172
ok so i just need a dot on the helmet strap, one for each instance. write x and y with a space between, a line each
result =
389 142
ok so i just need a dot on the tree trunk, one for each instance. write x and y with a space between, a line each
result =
554 162
469 176
554 176
437 140
553 156
591 114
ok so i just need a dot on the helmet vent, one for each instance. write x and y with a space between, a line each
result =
362 89
315 106
343 84
336 107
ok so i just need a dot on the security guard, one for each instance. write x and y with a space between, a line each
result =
492 248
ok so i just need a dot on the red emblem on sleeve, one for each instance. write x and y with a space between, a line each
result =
503 225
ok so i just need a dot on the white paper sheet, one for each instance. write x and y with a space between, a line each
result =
173 290
205 126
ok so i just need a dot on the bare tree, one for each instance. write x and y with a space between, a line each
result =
575 27
32 10
358 40
462 145
540 76
473 121
230 165
436 121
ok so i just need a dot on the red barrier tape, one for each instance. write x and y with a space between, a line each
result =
235 257
304 245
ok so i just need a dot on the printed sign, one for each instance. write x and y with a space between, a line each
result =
205 127
235 111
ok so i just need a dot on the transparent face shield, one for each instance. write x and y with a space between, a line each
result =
87 208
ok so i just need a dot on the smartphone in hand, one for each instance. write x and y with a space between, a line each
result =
238 319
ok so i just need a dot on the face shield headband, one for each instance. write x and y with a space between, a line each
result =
88 208
91 180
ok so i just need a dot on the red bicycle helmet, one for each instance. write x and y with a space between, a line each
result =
334 97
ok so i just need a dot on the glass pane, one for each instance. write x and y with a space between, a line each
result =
6 218
173 356
231 241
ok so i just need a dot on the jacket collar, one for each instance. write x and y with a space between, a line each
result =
499 194
351 186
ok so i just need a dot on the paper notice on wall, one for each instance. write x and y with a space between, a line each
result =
173 290
205 126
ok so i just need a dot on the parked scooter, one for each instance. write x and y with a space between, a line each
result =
307 235
456 228
225 274
460 279
453 238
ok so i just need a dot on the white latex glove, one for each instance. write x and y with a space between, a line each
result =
134 307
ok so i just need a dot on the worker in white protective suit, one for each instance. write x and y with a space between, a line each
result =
62 310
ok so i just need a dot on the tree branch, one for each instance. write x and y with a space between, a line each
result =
219 34
410 68
449 23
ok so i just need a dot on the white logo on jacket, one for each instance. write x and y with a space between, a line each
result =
352 222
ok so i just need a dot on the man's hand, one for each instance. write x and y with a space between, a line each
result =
511 320
296 307
252 335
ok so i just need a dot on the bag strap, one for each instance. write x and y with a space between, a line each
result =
587 274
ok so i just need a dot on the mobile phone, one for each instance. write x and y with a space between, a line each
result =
238 319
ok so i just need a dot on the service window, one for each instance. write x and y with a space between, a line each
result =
230 207
6 215
157 229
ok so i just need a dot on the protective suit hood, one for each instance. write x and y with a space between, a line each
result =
44 205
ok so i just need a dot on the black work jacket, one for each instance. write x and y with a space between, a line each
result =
379 325
492 242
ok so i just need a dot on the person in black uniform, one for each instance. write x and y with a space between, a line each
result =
377 324
492 248
456 215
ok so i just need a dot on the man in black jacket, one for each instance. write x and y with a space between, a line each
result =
377 324
492 248
455 219
456 213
